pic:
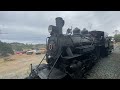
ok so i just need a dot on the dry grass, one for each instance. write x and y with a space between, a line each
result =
18 66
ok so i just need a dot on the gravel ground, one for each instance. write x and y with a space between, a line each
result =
108 67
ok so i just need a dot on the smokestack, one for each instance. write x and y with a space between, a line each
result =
59 24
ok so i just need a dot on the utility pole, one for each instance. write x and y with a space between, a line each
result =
90 26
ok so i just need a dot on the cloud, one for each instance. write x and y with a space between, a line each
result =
32 26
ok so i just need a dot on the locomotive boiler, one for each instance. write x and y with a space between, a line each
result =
71 55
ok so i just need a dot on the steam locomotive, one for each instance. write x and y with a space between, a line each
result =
71 55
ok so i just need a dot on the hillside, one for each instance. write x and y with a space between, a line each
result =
21 46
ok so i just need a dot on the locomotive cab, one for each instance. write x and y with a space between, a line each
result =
103 42
100 36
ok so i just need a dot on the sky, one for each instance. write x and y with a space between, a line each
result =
32 26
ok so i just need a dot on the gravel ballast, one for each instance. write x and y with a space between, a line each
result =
108 67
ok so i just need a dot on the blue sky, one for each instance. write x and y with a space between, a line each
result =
32 26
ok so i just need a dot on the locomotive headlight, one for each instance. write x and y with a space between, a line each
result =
50 28
49 56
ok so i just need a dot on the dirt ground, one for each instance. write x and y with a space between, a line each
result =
18 66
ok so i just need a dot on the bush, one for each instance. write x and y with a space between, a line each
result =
117 38
5 49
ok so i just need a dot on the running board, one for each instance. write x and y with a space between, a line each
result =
55 74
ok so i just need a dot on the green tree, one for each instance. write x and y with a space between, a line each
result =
117 37
116 32
5 49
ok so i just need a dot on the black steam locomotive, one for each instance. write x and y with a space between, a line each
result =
71 55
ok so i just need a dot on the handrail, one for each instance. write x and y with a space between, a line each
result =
53 66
